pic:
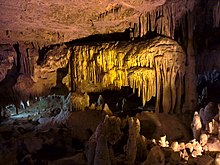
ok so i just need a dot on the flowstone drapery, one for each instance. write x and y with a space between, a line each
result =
155 68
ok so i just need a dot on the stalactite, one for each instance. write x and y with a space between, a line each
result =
145 66
161 20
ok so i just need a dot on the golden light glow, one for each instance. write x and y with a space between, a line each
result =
149 66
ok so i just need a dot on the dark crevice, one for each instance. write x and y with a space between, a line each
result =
60 88
114 99
43 51
16 47
100 38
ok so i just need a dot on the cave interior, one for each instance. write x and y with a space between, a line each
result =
110 82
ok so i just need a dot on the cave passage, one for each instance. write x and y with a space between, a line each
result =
114 99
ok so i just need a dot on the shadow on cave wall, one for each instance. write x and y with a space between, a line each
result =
7 92
60 88
127 35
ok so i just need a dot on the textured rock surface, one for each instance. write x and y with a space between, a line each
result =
57 21
28 72
92 138
156 68
34 24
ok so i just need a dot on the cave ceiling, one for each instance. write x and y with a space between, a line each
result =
55 21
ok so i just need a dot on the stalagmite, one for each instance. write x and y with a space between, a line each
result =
203 139
131 146
102 152
107 110
196 126
213 127
163 142
124 105
99 145
100 101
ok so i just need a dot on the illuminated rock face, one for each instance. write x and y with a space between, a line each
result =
26 72
155 68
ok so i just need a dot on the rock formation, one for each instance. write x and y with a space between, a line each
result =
154 72
157 48
196 126
155 156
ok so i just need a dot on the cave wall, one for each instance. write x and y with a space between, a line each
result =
30 71
32 67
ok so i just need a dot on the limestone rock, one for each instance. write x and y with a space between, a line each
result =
100 101
213 127
107 132
196 126
203 139
136 69
107 110
80 101
175 146
217 159
174 158
131 146
213 146
163 142
102 152
155 156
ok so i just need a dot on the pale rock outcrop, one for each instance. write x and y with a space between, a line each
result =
213 127
175 147
107 110
195 148
204 140
196 126
163 142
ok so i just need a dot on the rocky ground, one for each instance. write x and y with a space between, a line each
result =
47 132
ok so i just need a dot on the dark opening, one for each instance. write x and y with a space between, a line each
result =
114 100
